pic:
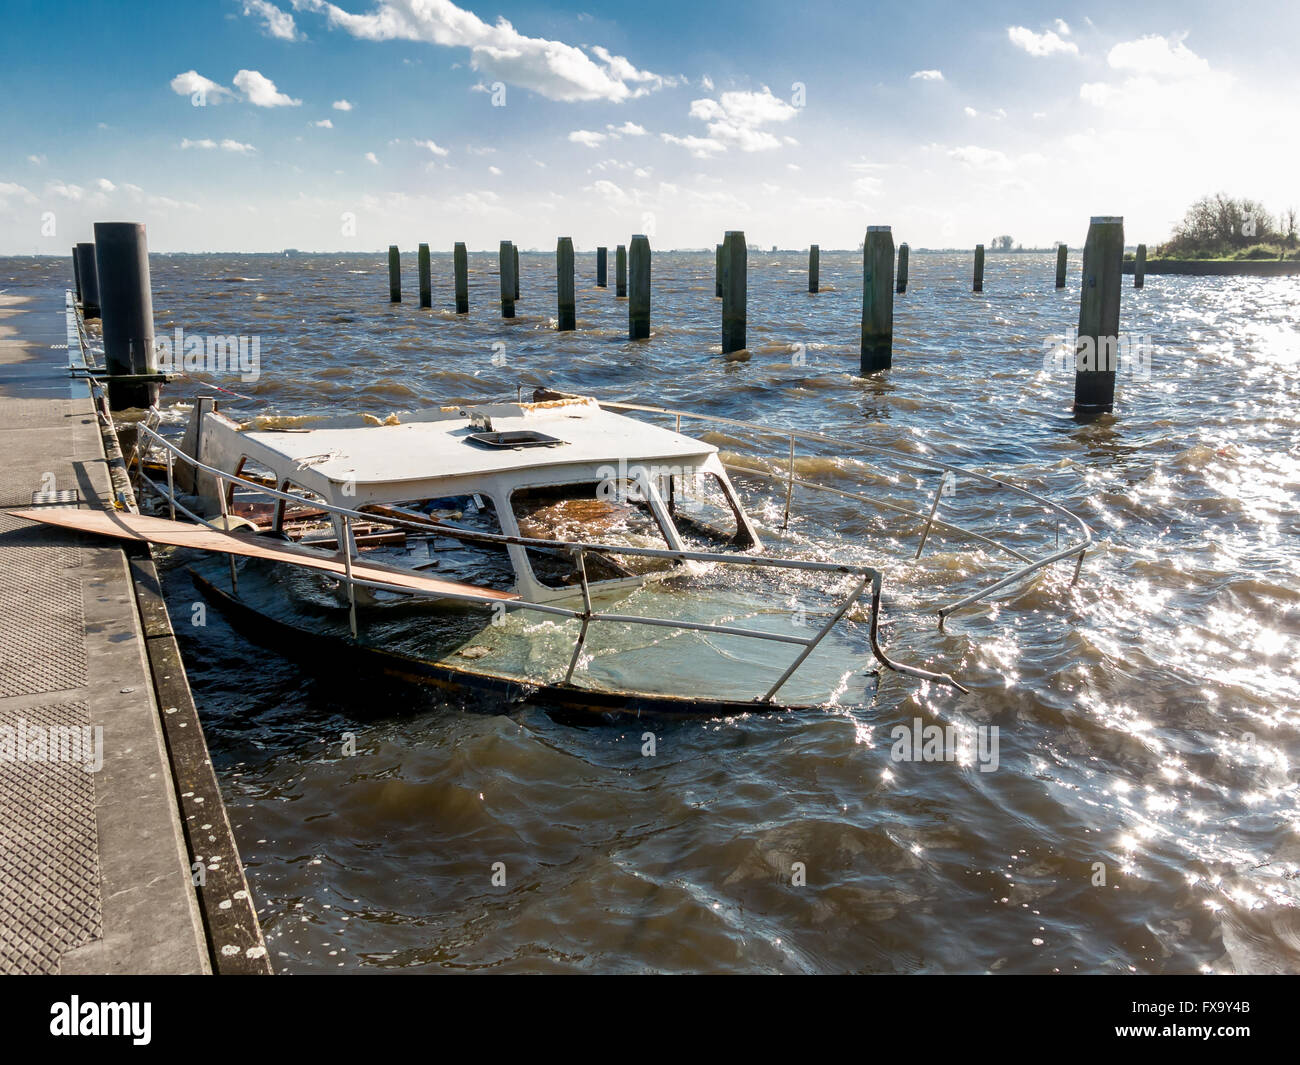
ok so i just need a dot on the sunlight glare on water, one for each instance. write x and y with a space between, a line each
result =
1143 812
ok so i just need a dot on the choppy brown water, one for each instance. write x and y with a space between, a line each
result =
1148 718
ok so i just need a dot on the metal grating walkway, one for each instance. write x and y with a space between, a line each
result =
49 847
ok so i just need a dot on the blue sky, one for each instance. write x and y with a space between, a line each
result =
264 124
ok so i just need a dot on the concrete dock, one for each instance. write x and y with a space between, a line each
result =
128 866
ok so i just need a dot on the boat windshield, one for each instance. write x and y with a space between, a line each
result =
607 512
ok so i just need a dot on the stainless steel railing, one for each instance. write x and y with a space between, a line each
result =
580 549
1077 548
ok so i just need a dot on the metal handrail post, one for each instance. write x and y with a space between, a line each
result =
171 488
812 644
347 573
225 521
789 487
586 616
934 507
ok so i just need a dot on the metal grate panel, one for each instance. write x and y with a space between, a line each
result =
49 860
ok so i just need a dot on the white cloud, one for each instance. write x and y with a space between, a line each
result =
104 185
1162 76
275 23
706 83
432 146
495 171
978 158
36 160
1097 93
260 90
700 147
612 194
927 75
735 117
371 158
1040 44
68 192
590 137
324 123
1157 56
552 69
342 105
970 112
192 81
1062 27
627 129
227 145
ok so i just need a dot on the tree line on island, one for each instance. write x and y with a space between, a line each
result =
1224 227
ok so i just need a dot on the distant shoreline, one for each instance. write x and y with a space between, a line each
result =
1220 267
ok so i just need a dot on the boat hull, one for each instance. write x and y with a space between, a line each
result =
506 693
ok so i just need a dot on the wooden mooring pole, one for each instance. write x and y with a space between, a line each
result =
1097 349
620 272
1062 254
1140 266
602 268
878 299
509 283
979 268
814 268
638 304
566 318
901 286
394 275
426 278
461 261
734 282
717 272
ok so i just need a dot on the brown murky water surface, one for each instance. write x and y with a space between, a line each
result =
1148 719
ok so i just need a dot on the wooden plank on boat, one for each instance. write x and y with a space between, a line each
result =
127 526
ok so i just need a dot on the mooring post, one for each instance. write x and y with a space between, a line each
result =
638 304
394 275
734 282
717 272
602 268
620 272
461 261
1097 350
509 284
1062 253
76 274
126 299
979 267
514 250
901 287
878 299
1140 266
89 280
814 268
567 317
426 279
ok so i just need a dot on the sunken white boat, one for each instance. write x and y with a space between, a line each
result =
580 553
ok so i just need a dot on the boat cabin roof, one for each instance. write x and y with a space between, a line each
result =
436 444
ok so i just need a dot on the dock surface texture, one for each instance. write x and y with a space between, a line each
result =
98 868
